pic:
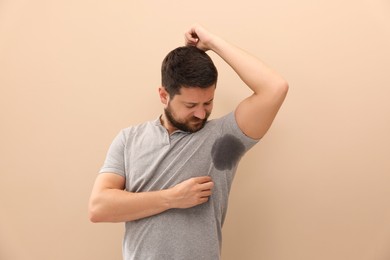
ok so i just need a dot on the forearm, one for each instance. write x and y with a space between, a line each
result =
113 205
252 71
110 203
255 113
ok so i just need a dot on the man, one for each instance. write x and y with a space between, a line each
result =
169 179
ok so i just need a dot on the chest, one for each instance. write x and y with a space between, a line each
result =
152 164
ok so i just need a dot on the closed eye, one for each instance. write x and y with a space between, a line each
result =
190 105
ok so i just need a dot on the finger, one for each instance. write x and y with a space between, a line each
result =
191 42
203 200
204 194
207 186
202 179
191 36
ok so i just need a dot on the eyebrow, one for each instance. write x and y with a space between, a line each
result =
193 103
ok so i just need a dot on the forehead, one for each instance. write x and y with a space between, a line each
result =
195 94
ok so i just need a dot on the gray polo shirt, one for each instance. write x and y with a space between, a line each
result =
150 159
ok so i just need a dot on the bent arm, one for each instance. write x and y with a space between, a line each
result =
109 202
254 114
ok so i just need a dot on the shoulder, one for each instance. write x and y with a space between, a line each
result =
227 126
228 123
141 128
220 121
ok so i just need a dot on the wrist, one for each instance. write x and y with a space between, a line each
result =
168 198
216 44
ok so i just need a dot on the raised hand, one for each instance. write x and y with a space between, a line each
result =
199 37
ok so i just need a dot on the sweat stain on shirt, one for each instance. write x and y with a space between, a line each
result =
226 152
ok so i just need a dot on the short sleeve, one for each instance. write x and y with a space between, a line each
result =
114 161
230 126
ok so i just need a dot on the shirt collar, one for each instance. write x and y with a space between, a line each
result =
157 122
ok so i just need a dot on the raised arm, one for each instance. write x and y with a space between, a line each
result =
109 202
256 113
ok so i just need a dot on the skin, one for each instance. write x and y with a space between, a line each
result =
109 202
191 108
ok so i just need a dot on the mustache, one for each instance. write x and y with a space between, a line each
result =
197 120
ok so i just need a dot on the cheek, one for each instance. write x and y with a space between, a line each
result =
209 109
189 114
184 114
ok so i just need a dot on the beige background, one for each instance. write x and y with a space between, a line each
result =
72 73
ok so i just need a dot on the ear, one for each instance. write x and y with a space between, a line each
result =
164 96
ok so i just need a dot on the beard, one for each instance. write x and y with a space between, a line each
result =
191 125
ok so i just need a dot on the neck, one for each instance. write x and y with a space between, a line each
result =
165 123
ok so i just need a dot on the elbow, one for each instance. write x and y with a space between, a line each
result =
276 91
95 213
283 87
93 217
281 90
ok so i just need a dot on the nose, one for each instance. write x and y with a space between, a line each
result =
200 113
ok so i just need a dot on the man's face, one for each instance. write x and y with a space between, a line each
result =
189 110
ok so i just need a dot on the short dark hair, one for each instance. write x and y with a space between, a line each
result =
187 66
